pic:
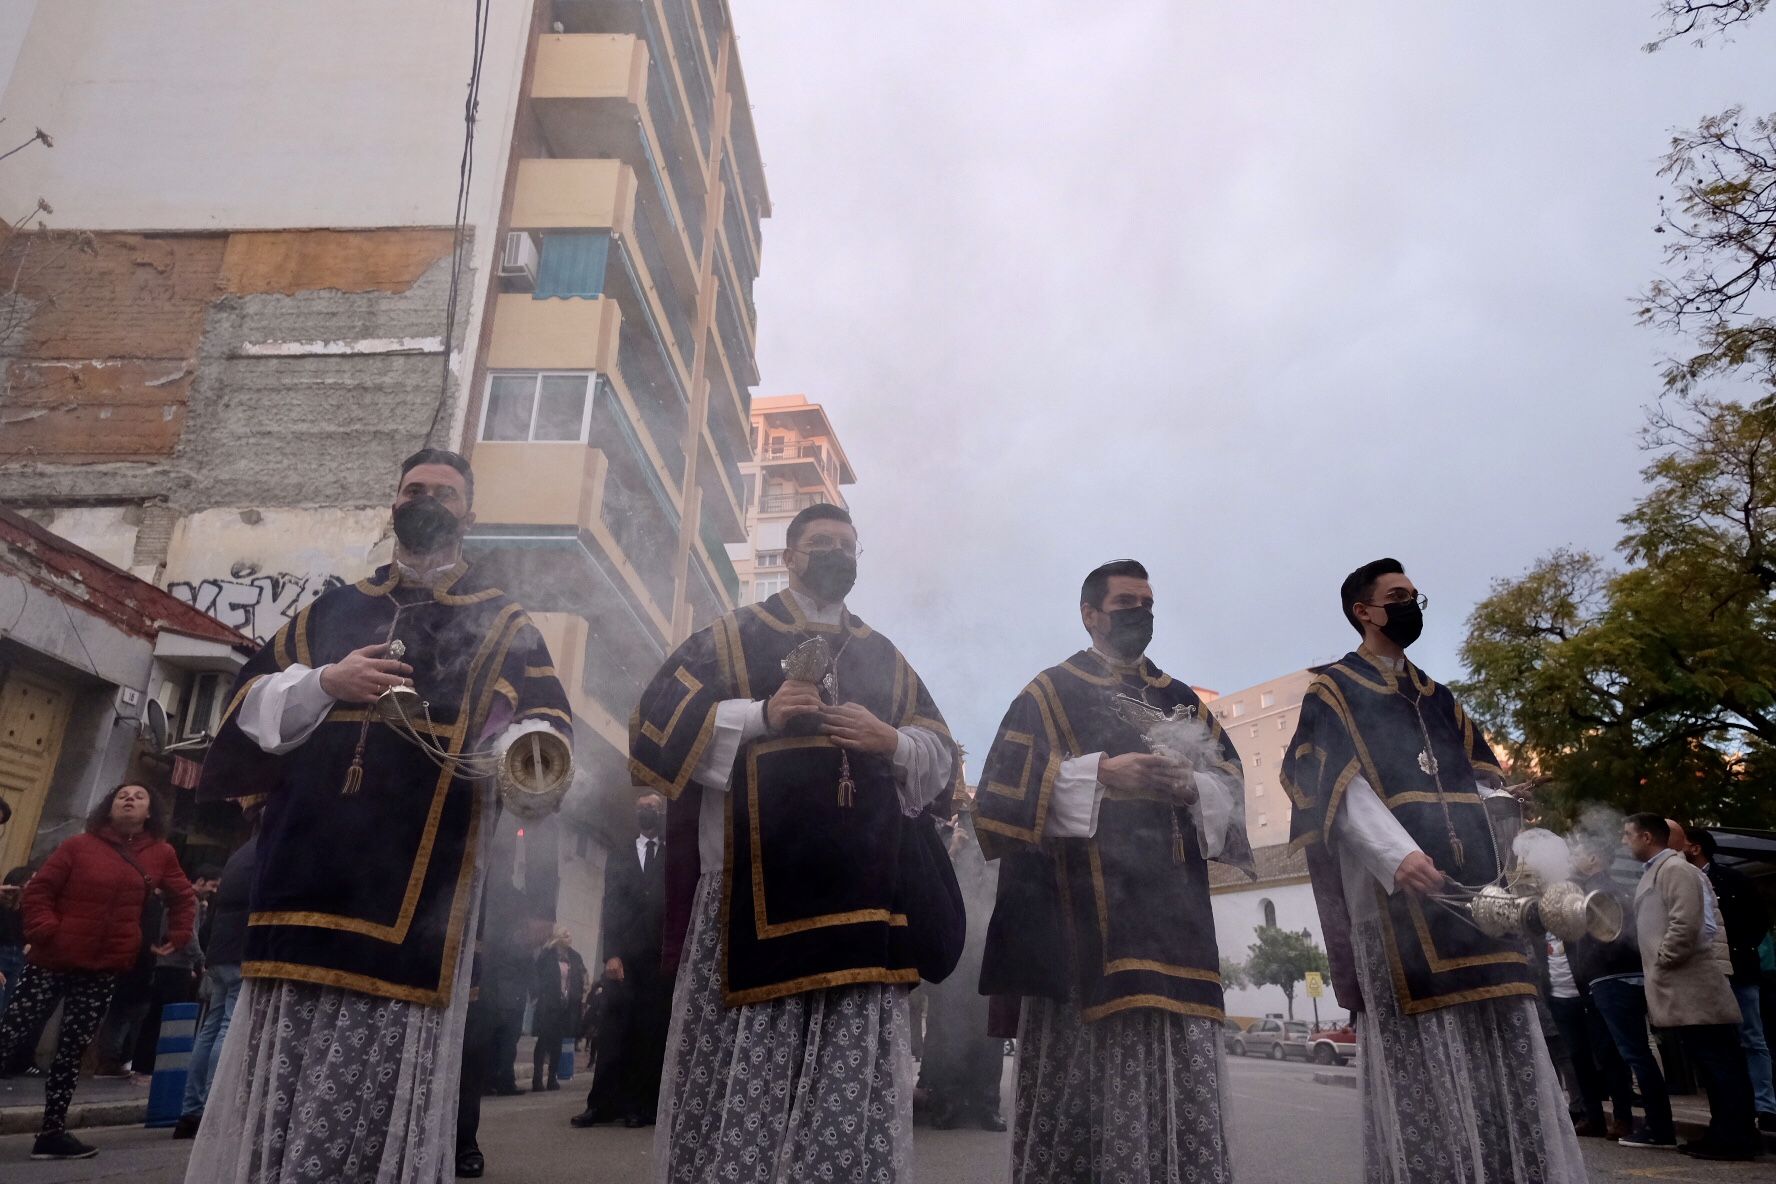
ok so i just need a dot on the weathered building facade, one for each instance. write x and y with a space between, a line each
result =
238 317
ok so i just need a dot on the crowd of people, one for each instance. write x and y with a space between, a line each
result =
1691 963
806 854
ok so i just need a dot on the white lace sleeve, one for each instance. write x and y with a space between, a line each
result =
282 710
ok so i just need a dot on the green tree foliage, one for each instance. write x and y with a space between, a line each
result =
1282 958
1651 685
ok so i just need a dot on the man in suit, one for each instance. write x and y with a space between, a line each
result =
632 1041
1683 948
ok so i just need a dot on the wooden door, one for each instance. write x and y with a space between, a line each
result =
33 718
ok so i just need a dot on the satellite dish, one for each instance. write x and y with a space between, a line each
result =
155 725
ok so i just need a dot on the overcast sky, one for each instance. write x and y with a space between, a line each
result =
1251 293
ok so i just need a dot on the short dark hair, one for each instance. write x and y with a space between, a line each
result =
208 871
99 817
817 512
442 456
1652 824
1097 584
1360 585
1703 838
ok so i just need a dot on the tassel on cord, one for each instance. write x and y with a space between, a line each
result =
847 787
1178 854
354 776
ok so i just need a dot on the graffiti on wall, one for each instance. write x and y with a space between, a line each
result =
256 605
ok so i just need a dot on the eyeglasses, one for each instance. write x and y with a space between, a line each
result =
1420 599
851 549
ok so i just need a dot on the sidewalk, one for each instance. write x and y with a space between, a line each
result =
97 1102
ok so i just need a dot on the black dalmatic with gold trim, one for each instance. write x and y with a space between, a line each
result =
812 893
1415 746
1122 919
364 877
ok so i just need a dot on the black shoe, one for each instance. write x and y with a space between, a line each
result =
470 1164
536 1085
992 1122
508 1091
553 1085
633 1122
1767 1123
1588 1128
1642 1138
585 1118
186 1127
61 1145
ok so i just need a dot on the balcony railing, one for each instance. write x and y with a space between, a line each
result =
793 503
821 458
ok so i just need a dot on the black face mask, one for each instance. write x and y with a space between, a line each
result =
1131 631
1405 622
648 820
830 575
423 525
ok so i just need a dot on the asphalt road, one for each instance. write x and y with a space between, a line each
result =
1286 1129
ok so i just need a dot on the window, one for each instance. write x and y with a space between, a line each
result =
1238 709
1254 731
1270 912
537 406
1267 699
1258 759
764 587
1258 790
769 559
1282 722
1263 820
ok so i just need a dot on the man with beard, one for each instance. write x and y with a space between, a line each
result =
632 1039
800 754
1102 931
1388 779
349 1029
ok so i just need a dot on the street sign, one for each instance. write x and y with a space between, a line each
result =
1316 986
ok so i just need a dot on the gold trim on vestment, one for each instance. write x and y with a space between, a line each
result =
1440 964
540 672
821 982
1091 1015
240 697
503 630
641 775
362 983
1122 965
762 925
1403 993
552 712
692 687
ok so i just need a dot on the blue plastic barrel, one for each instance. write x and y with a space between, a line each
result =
564 1064
172 1057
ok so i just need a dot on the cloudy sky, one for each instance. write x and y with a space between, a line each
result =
1251 293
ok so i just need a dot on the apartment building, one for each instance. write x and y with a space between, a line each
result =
797 462
250 297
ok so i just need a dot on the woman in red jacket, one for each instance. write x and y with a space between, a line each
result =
83 927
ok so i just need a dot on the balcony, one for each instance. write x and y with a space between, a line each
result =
542 485
558 194
530 334
788 503
601 95
808 464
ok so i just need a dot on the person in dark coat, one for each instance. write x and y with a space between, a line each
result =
559 987
222 928
632 1038
84 917
962 1065
1748 924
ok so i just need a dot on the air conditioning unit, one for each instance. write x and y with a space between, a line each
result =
518 262
204 704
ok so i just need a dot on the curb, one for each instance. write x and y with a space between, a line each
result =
25 1120
1347 1080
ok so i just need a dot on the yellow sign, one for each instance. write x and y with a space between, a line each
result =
1316 986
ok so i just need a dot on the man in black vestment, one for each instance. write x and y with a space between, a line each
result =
344 1051
632 1039
1103 822
1388 777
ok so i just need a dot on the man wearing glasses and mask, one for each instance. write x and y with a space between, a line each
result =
798 751
1389 778
1102 934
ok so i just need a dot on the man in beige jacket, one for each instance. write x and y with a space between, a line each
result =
1683 947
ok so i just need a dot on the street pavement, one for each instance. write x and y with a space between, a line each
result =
1286 1128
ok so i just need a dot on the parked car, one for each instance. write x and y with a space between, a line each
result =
1232 1037
1328 1046
1266 1038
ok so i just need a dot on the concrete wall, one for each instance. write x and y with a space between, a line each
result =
1237 917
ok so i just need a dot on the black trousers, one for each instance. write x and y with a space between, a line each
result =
1597 1067
508 1026
632 1047
1720 1063
477 1072
83 996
